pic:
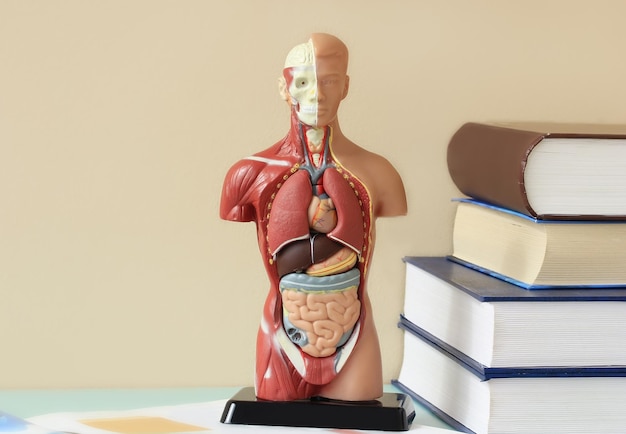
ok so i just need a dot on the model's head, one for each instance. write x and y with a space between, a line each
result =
315 79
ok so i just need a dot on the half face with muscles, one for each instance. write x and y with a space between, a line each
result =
315 82
303 93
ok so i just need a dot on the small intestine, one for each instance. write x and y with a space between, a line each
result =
325 317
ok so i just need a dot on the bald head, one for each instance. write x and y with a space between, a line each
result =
329 48
320 47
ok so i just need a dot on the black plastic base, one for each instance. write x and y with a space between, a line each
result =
391 412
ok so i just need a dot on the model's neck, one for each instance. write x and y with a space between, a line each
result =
316 138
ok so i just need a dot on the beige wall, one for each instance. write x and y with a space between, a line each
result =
119 119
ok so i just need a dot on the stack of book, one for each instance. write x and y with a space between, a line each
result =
522 329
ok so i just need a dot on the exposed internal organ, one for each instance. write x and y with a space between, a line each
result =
325 317
322 215
289 220
341 261
315 235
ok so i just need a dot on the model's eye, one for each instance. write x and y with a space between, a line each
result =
301 82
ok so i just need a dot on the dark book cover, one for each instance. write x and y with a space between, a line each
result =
487 161
487 288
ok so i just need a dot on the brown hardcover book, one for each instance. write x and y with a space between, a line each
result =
546 171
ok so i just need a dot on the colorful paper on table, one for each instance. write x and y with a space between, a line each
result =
184 418
141 425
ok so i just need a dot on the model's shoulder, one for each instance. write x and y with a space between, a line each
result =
357 157
272 157
379 175
282 153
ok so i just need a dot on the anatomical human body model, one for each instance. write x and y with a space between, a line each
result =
315 197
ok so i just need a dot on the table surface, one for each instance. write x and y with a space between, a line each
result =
27 403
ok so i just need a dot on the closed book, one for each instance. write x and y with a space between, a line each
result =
551 404
539 253
500 325
551 171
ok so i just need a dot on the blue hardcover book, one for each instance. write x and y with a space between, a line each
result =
478 399
539 254
432 408
487 373
500 325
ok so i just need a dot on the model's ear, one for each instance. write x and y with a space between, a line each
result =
346 87
282 88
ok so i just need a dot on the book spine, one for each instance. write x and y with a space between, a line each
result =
487 162
432 408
